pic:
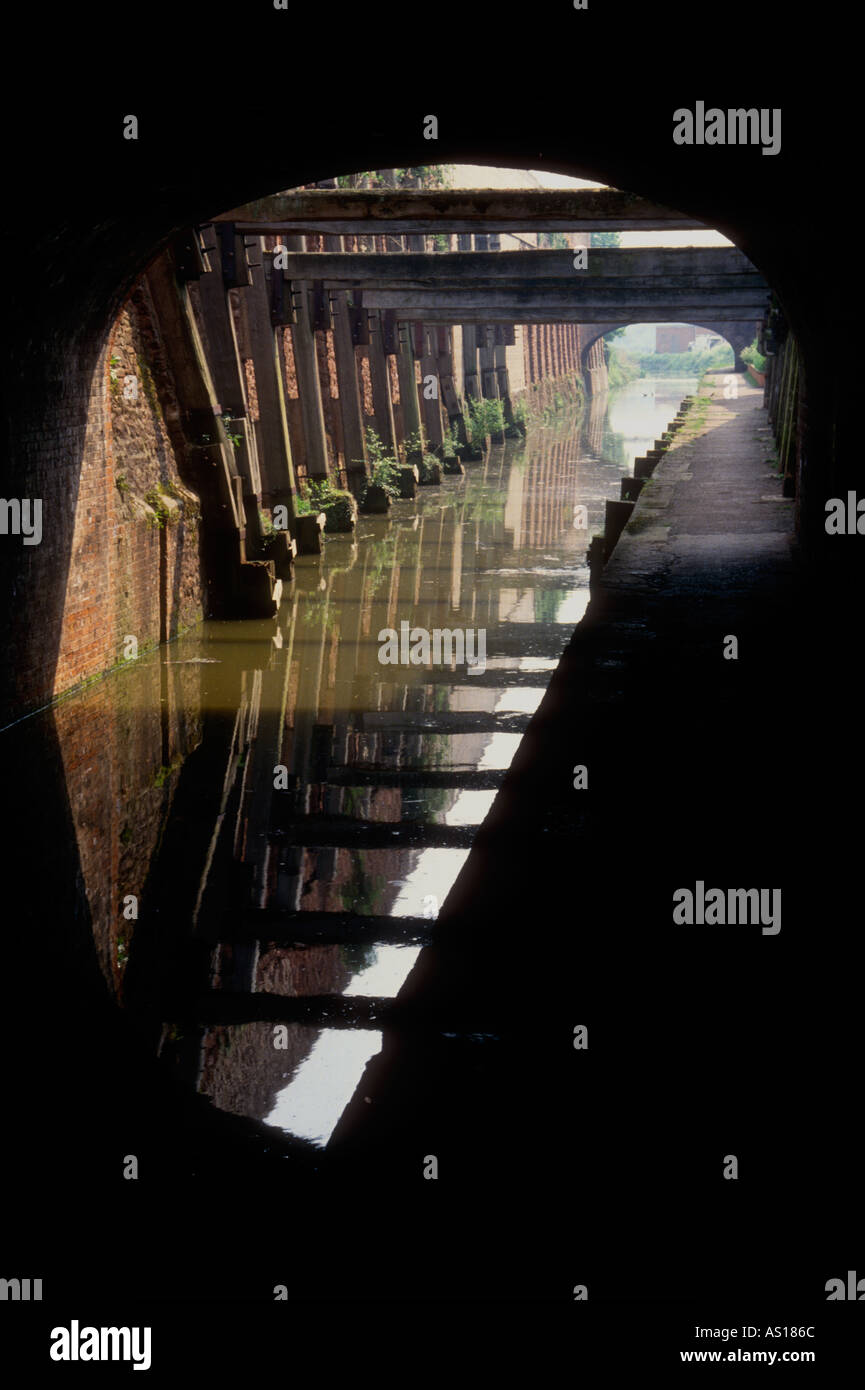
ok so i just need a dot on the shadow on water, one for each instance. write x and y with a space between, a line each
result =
269 817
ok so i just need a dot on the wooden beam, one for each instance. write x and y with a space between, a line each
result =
504 306
704 265
355 211
414 777
348 832
288 928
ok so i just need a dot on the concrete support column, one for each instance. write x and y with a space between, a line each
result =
487 362
500 357
486 345
351 414
412 418
276 469
407 384
452 404
380 379
432 405
309 385
228 374
306 368
471 377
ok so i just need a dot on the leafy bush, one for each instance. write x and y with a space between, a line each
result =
756 358
450 442
485 417
340 511
315 496
383 467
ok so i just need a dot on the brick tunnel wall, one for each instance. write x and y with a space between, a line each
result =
134 567
550 353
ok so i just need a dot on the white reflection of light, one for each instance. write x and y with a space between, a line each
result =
521 700
387 973
312 1102
432 876
469 808
573 606
500 751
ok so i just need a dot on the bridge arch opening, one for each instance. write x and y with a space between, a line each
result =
77 354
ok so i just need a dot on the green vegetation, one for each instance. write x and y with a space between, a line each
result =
427 468
121 484
696 417
383 467
234 438
553 239
450 442
621 368
322 496
162 515
756 358
719 358
416 444
484 417
426 175
606 239
527 411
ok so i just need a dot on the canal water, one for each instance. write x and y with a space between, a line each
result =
241 794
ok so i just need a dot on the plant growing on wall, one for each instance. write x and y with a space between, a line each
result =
235 438
383 467
754 356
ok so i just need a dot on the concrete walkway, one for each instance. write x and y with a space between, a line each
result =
562 916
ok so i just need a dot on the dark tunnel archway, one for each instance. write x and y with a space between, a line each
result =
83 281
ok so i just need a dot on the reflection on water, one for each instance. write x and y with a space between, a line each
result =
248 797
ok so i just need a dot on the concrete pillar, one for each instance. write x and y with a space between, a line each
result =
486 346
276 469
229 381
471 378
452 403
432 405
309 384
500 358
351 414
306 369
380 379
407 383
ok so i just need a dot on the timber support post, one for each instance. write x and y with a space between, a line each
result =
431 392
379 375
408 387
351 414
452 403
276 467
